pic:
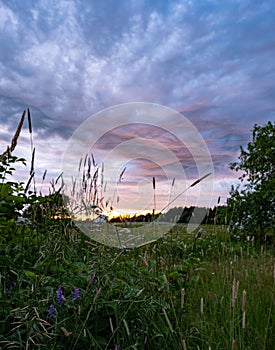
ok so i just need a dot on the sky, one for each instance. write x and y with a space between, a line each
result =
210 61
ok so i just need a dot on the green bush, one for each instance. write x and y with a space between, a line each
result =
253 204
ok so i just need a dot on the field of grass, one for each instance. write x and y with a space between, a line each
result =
61 290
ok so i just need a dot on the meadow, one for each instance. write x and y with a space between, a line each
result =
59 289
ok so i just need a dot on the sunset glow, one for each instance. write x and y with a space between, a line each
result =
213 62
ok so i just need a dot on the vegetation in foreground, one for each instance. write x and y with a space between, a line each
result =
60 290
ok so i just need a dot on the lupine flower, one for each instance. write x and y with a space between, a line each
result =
11 286
76 294
52 311
60 296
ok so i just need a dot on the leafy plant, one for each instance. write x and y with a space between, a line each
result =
253 204
12 195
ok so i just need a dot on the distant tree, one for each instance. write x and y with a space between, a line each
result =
253 203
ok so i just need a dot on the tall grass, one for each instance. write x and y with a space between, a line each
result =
236 289
134 299
61 290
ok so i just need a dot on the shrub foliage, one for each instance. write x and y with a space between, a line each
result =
254 201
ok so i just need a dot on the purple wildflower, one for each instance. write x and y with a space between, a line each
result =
60 296
92 280
145 340
52 311
11 286
116 347
76 294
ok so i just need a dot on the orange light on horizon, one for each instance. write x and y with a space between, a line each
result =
127 213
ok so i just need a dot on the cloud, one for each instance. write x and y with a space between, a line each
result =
212 61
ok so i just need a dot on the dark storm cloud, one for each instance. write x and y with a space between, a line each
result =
213 61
